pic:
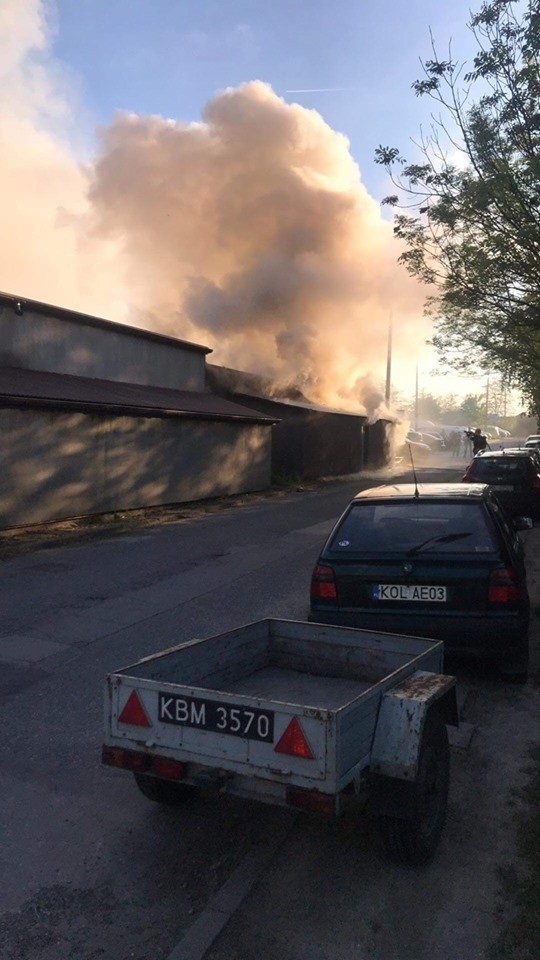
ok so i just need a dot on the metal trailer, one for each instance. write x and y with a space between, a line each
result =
296 714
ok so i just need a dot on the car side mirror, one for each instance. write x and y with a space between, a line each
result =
523 523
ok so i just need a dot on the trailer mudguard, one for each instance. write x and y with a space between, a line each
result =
402 713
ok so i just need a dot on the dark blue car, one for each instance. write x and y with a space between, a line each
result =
438 560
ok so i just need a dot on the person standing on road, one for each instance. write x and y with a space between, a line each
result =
479 441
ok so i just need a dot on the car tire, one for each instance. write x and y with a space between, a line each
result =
164 791
412 838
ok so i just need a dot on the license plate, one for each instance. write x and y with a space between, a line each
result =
501 486
219 717
403 591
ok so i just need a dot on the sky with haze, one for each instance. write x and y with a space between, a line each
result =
120 147
170 56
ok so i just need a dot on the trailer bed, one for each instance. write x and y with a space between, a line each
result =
280 684
296 714
226 701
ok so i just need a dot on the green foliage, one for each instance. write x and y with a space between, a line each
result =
469 410
472 410
473 233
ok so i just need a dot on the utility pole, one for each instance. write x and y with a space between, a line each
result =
387 392
487 399
416 400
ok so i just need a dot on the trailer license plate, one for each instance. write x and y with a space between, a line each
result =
403 591
214 715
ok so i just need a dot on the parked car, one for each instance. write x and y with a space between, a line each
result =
532 444
420 451
532 452
533 437
514 476
437 560
433 440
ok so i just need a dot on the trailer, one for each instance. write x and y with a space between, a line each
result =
296 714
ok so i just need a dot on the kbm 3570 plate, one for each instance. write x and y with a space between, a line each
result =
214 715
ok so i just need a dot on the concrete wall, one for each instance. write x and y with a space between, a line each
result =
55 465
61 345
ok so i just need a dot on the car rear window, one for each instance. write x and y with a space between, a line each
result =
447 528
488 470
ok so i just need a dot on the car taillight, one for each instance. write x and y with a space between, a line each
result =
126 759
168 769
311 800
162 767
504 586
323 584
536 481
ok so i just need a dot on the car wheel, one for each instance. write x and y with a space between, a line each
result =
413 838
164 791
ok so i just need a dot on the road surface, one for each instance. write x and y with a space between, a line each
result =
90 869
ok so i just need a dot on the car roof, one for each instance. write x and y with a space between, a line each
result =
511 452
426 491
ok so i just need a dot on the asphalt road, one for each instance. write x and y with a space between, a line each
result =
90 869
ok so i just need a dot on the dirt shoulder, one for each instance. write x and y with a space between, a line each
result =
18 540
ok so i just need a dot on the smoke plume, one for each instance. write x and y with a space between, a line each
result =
250 231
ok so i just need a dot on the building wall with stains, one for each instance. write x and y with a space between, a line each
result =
57 465
89 347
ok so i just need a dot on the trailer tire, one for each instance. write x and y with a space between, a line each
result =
413 837
164 791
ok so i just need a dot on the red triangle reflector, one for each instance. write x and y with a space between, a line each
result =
293 741
134 712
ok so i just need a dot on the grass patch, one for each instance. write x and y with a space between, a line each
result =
520 939
282 480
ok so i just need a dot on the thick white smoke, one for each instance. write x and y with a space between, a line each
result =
250 231
43 187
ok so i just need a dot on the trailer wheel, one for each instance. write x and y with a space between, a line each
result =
164 791
413 836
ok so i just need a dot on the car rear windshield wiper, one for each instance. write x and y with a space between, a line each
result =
448 538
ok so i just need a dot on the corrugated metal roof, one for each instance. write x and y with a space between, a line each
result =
251 386
37 388
20 304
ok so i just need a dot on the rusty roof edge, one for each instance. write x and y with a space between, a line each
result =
65 313
90 406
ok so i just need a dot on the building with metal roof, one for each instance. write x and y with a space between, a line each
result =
97 416
309 440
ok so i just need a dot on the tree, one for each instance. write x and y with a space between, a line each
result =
472 410
472 227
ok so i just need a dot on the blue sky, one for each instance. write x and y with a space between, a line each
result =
170 56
